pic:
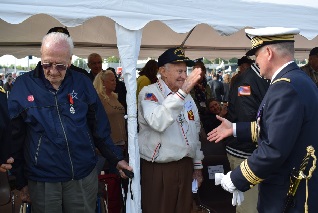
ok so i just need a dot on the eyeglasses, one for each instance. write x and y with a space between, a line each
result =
58 67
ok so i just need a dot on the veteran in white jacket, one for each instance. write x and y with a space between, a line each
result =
169 127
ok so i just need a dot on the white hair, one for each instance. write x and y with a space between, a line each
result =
57 37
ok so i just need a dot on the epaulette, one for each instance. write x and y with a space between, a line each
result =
281 79
2 90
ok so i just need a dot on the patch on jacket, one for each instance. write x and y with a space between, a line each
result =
244 90
190 115
30 98
151 97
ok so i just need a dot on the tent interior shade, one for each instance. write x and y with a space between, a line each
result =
98 35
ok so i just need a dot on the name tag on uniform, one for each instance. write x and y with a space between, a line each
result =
188 105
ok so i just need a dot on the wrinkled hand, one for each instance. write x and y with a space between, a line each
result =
24 194
191 80
7 166
225 129
123 165
238 198
197 174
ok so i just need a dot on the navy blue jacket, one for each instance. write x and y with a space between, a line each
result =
288 120
52 144
4 127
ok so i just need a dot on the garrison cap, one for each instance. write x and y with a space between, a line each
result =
59 30
269 35
174 55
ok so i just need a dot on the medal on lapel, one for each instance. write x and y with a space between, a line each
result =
72 110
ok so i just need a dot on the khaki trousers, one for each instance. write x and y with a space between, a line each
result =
249 204
166 187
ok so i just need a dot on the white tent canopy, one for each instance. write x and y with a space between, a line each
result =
142 28
164 24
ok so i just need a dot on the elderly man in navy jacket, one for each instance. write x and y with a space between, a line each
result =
57 121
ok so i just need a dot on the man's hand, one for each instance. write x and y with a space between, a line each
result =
123 165
7 166
191 80
24 194
197 174
225 129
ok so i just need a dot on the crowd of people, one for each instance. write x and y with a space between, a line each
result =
61 126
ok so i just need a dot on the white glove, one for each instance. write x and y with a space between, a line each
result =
238 198
227 184
218 178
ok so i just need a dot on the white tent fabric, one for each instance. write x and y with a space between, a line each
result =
151 26
164 23
128 50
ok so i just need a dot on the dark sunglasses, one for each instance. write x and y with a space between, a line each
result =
58 67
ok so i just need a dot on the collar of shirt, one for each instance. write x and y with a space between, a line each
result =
166 90
280 69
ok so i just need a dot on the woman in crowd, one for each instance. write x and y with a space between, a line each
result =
209 122
214 108
105 84
148 75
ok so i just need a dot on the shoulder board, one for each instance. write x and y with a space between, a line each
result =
281 79
2 90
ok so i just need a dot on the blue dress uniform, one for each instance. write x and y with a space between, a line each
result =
286 124
4 127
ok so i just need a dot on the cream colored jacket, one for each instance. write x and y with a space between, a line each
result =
169 125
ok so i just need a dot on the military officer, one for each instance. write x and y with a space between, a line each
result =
286 124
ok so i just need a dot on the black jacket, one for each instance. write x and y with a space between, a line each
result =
246 94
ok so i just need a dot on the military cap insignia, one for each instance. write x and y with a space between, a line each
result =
179 52
2 90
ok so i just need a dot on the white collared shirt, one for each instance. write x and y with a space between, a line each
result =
280 69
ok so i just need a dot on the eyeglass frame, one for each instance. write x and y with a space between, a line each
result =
49 65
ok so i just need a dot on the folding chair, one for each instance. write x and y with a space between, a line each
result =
210 197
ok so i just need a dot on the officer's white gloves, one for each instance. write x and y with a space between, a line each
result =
226 183
238 198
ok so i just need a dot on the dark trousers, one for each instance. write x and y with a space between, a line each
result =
78 196
166 187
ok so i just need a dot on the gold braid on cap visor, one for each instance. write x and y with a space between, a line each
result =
260 40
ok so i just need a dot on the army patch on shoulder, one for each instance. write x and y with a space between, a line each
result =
2 90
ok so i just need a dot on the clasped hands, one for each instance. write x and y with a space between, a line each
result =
227 184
